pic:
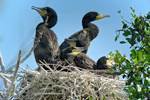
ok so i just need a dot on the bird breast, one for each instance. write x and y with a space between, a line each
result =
47 43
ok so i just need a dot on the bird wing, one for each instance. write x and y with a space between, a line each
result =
83 61
79 39
80 35
82 39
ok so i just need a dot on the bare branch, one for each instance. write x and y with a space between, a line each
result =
2 64
21 60
11 89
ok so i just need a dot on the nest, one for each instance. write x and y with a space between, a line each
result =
75 84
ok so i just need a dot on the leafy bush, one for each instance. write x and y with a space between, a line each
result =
136 69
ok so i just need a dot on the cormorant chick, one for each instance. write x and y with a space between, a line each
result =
104 67
82 38
46 47
102 63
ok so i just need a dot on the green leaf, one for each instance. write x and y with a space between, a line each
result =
140 55
117 36
90 98
148 16
126 33
122 42
104 98
133 12
124 25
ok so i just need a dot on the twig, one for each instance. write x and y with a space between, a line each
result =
28 55
6 78
3 70
2 64
17 65
21 60
12 87
75 84
43 92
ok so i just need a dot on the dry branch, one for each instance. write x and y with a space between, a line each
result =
11 88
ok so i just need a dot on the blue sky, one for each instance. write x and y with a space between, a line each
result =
18 22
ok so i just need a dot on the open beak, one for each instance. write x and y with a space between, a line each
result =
41 11
101 16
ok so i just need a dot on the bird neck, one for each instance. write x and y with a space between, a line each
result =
93 29
39 29
85 23
49 22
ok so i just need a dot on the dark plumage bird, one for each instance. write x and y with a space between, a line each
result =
81 60
102 63
46 47
104 67
82 38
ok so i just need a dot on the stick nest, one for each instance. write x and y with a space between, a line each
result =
73 85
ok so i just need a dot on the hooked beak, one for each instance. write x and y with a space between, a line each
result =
41 11
101 16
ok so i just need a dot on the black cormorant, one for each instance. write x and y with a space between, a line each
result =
82 38
46 47
81 60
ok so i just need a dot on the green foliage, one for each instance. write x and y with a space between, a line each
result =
89 98
136 69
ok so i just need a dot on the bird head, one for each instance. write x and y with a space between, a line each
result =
48 14
105 63
92 16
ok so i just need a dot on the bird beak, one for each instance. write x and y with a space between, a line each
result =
101 16
41 11
74 53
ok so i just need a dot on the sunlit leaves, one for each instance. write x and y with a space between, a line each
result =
136 69
136 33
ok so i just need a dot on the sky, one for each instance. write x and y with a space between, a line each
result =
18 22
